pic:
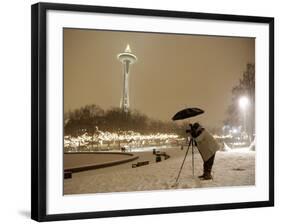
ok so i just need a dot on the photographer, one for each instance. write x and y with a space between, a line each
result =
207 147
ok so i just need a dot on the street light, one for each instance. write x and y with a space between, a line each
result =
243 103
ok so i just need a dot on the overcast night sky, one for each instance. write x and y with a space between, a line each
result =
172 71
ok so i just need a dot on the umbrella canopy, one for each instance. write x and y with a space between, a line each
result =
186 113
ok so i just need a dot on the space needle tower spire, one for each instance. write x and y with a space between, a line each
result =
127 59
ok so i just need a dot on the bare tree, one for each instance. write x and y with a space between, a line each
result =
246 87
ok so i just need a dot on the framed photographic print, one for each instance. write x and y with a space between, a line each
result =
139 111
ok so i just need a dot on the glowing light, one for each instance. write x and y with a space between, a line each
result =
243 102
128 137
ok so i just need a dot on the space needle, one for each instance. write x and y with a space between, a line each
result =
126 58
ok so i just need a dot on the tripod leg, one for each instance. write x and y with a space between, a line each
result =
190 142
192 156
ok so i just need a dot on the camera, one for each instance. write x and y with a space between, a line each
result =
194 129
189 128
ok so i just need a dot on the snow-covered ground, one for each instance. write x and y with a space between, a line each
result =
231 168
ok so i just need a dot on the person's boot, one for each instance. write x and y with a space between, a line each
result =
208 176
208 170
204 172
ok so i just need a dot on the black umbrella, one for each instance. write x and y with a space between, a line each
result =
186 113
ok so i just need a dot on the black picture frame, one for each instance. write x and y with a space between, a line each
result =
39 107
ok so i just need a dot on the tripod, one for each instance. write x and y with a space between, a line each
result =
192 144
